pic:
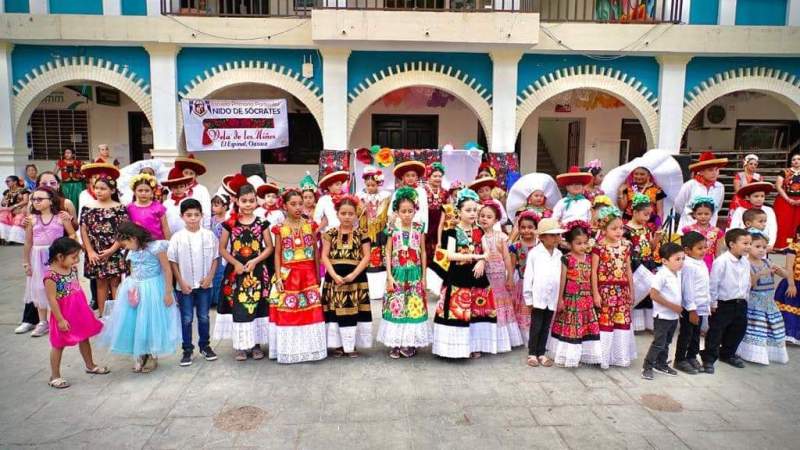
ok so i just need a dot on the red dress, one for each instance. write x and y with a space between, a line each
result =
614 285
435 202
788 215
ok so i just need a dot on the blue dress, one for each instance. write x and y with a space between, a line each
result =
149 327
764 340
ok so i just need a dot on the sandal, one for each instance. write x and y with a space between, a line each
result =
338 352
533 361
395 353
98 370
58 383
353 354
241 355
547 362
258 353
475 355
408 352
138 367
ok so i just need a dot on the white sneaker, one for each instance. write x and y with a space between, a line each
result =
23 328
41 329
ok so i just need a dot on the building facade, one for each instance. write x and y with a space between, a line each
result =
558 82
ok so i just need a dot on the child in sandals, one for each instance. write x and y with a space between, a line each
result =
71 321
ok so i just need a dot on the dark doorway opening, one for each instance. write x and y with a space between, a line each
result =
140 136
405 131
633 142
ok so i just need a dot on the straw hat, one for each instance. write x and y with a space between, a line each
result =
549 226
760 186
190 162
403 167
102 169
483 182
706 160
574 176
339 175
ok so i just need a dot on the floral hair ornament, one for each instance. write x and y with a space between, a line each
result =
146 177
608 214
640 199
594 166
436 167
529 214
347 198
578 224
750 157
702 200
374 173
465 195
494 205
404 193
307 183
601 201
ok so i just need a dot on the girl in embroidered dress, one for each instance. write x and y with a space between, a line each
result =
436 196
69 170
575 330
345 292
13 210
644 238
46 226
612 287
518 250
100 218
465 325
145 211
640 181
786 295
500 272
243 309
405 326
145 322
765 338
297 328
309 190
71 321
373 215
702 210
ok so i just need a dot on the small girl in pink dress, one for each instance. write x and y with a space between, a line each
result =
144 211
71 321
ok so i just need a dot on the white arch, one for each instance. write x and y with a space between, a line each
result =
776 83
446 78
255 72
629 90
29 92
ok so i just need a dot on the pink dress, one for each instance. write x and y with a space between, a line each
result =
149 217
712 235
508 334
43 236
75 310
521 311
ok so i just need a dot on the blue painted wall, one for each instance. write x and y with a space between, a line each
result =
76 7
193 61
18 6
761 12
134 7
26 57
700 69
363 64
704 12
533 66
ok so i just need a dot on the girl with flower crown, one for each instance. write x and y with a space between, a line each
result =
144 210
612 287
373 215
405 327
643 236
702 210
465 325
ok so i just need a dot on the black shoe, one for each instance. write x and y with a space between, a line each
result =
647 374
666 370
186 359
735 361
208 354
685 366
696 364
708 368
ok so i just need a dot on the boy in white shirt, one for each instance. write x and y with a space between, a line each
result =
729 289
756 194
194 254
695 302
540 286
666 294
575 205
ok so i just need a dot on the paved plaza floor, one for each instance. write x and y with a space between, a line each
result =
375 402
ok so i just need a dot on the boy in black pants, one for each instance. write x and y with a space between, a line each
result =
695 302
729 289
666 294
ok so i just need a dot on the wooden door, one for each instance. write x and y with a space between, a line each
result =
405 131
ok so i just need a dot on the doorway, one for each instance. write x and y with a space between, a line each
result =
633 142
140 136
405 131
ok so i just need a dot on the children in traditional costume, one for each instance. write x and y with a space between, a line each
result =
702 210
704 183
372 219
519 249
408 173
193 168
643 236
325 213
574 206
786 295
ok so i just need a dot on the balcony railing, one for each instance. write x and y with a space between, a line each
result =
611 11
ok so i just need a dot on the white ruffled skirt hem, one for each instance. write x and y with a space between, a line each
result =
349 338
243 335
618 348
299 343
451 342
567 354
763 354
394 335
642 319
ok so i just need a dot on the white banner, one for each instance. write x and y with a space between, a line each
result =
460 165
235 124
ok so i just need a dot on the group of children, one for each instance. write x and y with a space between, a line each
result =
295 271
